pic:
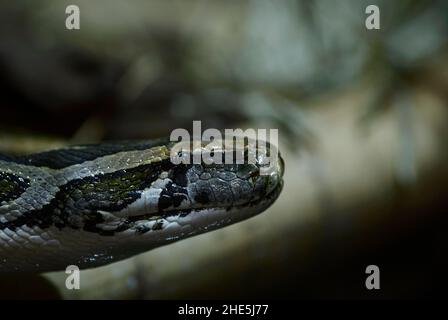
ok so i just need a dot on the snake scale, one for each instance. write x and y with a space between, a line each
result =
91 205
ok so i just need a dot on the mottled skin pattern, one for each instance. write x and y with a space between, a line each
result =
92 205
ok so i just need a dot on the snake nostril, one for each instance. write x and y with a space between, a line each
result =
282 166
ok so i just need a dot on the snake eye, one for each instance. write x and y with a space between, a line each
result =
253 173
247 171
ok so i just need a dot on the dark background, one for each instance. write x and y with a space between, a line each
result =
361 113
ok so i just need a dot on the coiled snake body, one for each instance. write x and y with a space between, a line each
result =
95 204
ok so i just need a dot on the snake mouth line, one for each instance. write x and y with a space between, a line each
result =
264 202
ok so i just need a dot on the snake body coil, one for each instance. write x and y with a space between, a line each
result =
95 204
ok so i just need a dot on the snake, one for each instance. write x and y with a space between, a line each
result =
94 204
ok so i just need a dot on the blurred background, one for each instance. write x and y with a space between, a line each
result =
362 118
